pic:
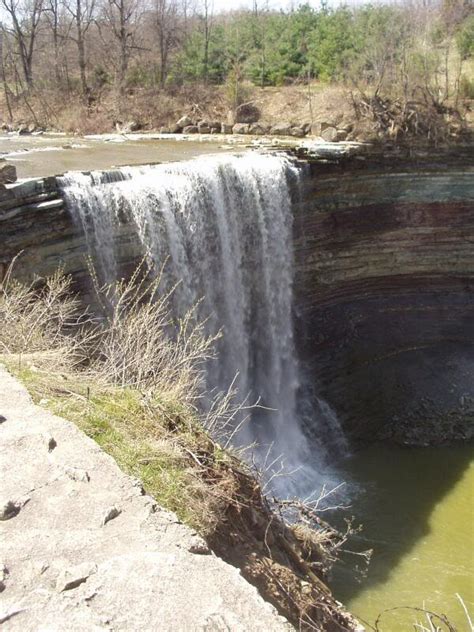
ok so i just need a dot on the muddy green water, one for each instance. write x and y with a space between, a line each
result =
417 511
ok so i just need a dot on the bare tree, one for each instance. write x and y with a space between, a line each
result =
82 12
6 89
25 16
54 15
122 17
167 30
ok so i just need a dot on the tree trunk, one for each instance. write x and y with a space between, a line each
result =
82 65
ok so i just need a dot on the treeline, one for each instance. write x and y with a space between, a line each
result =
86 47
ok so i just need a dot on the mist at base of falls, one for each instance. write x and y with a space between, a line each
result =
219 229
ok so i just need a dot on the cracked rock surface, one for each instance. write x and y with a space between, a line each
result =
82 548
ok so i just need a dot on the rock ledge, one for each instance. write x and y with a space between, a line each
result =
88 550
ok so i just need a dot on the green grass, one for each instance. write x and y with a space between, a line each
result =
151 440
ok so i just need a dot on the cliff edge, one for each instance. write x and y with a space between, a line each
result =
84 548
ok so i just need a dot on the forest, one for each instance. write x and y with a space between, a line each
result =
104 55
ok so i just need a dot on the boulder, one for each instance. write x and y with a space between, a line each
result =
281 129
204 127
23 130
318 127
346 125
329 134
176 129
215 127
226 128
247 113
297 131
7 174
240 128
259 128
341 135
183 122
191 129
131 126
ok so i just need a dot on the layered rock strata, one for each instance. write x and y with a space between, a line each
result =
385 298
384 281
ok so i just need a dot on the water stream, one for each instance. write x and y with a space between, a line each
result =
222 228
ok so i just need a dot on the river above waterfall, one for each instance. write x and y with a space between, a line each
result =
416 507
51 154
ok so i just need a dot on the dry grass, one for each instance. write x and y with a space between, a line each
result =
152 109
131 378
40 318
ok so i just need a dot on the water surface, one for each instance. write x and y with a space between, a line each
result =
52 154
417 510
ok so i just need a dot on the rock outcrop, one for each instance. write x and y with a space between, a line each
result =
7 174
83 548
385 295
384 283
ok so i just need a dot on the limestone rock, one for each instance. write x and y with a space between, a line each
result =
7 174
329 134
128 127
78 474
247 113
4 572
191 129
110 514
259 128
281 129
226 128
73 577
52 444
297 131
204 127
346 125
240 128
9 508
145 571
184 122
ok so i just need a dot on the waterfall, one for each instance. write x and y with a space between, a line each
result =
221 226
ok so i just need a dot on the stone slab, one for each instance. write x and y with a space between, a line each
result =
83 548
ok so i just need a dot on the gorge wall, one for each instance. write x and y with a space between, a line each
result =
384 282
384 292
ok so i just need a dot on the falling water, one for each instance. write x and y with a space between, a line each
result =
221 226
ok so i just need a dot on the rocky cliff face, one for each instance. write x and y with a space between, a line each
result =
384 286
384 292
